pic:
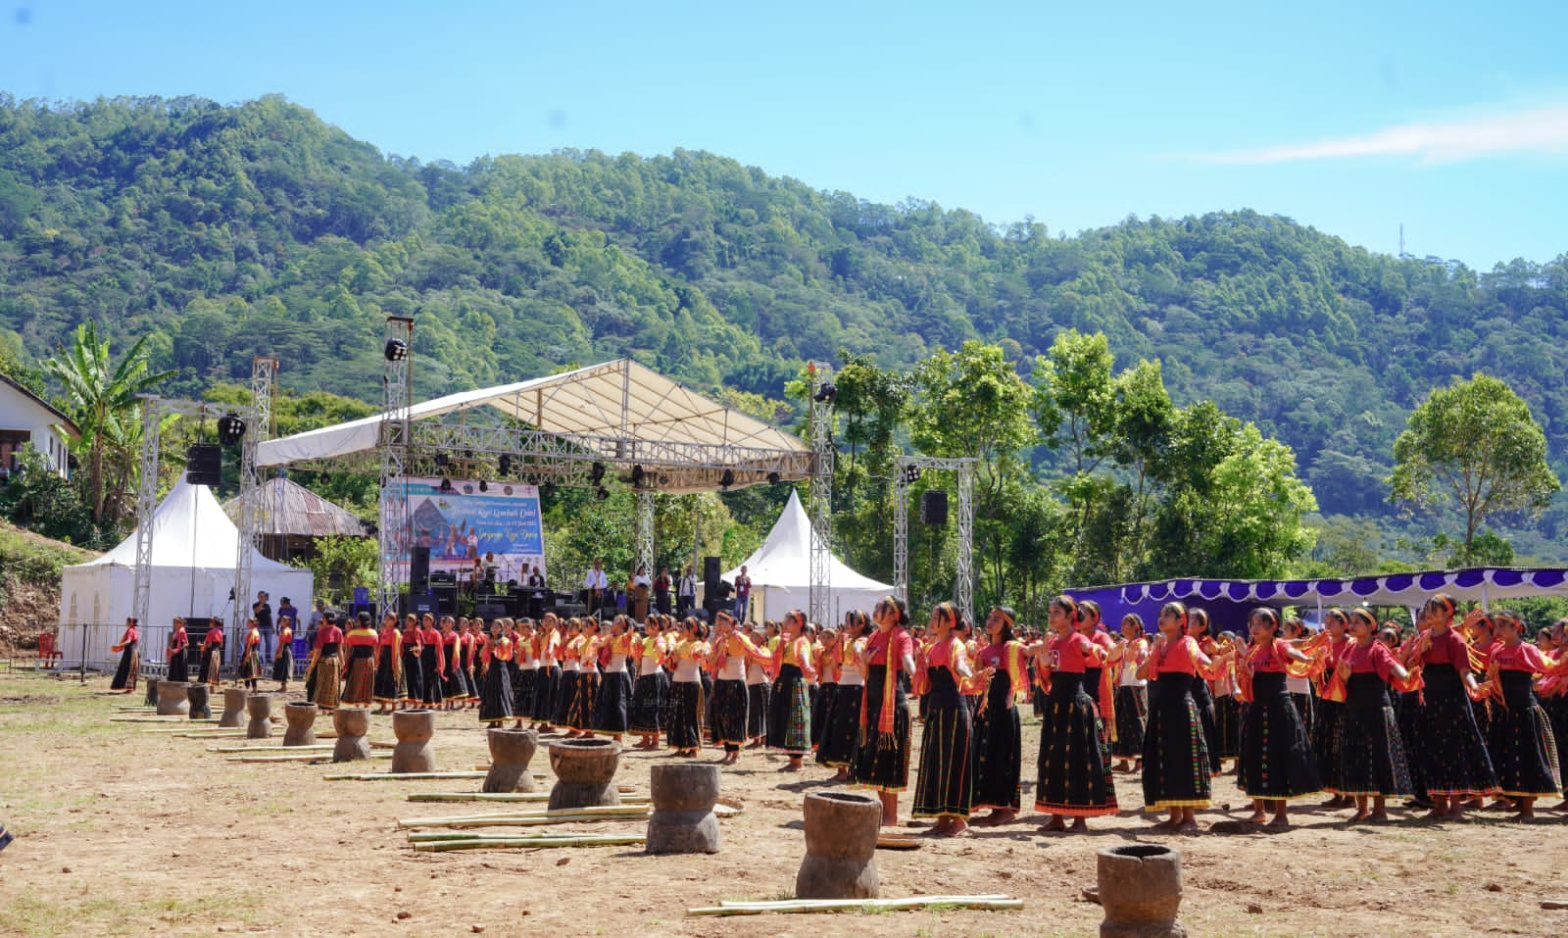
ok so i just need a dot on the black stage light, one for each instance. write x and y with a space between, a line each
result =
911 475
596 474
637 476
483 486
505 465
826 394
396 350
231 429
773 478
727 479
547 490
446 486
441 460
601 494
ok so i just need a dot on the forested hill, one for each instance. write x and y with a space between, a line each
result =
223 231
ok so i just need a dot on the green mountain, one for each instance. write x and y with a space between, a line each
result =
228 231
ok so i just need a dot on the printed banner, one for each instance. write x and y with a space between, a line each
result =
500 526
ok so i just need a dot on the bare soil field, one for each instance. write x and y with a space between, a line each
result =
125 830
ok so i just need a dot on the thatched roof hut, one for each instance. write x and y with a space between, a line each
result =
290 517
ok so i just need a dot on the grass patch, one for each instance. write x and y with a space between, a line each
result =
47 918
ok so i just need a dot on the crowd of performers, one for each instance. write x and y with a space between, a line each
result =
1445 715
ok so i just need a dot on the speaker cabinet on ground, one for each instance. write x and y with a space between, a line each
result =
712 570
419 571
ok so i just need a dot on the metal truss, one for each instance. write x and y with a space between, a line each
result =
963 586
820 505
258 427
643 548
393 450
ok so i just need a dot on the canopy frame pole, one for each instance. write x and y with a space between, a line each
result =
643 548
821 497
393 534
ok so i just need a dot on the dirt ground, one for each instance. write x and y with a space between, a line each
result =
123 830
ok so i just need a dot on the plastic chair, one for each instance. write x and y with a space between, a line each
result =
49 654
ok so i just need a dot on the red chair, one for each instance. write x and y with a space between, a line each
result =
48 655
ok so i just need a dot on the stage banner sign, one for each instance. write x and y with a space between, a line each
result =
465 524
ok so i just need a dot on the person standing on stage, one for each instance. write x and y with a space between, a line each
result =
536 579
661 591
261 611
742 595
686 594
595 584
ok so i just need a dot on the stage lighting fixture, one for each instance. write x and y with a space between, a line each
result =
773 478
396 350
911 475
826 394
441 460
446 487
484 486
727 479
231 429
596 474
637 476
601 494
505 465
547 490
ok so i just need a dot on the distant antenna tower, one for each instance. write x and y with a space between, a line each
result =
1401 239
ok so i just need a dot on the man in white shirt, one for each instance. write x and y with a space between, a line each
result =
596 583
686 595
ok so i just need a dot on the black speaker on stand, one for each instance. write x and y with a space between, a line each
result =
419 571
933 507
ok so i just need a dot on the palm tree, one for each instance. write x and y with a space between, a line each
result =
101 398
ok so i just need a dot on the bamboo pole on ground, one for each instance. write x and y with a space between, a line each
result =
989 902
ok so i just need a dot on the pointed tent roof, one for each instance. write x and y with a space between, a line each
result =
286 507
189 529
784 559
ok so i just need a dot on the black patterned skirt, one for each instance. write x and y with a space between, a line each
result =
1522 743
430 676
757 697
328 686
130 666
1276 757
648 697
944 786
1176 766
1557 713
360 686
525 683
212 666
1409 711
1227 722
1304 706
387 689
789 713
841 728
729 714
580 716
413 677
1203 699
283 665
613 702
1454 759
1074 766
998 748
495 692
1325 737
179 668
452 687
882 762
821 705
545 688
683 728
565 696
1132 709
1372 759
250 665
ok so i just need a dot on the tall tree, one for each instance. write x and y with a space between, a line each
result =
101 397
1474 444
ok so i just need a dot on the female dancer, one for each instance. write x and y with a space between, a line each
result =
683 730
1227 700
590 644
882 761
179 650
615 687
130 658
1176 766
1299 687
973 688
1074 778
1198 629
548 688
413 662
998 746
1454 759
525 672
495 695
842 733
359 684
1372 762
731 651
825 650
1132 697
1276 762
452 690
326 663
1096 680
789 716
759 687
250 657
1325 727
571 667
652 687
283 658
212 655
1523 747
944 788
432 663
389 665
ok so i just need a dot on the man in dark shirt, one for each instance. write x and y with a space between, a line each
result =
261 611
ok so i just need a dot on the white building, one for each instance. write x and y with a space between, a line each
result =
27 418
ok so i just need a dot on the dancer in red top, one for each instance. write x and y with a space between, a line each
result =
945 787
129 648
888 660
212 655
1276 761
283 658
389 665
326 664
1523 748
361 642
1454 760
1176 774
179 651
1074 779
998 737
1372 762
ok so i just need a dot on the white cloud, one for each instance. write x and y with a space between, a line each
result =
1542 130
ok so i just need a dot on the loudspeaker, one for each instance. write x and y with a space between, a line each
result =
712 571
933 507
489 611
204 464
419 571
420 604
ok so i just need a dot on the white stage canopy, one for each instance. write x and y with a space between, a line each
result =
619 411
194 545
780 572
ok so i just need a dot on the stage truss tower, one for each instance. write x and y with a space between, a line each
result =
393 442
963 585
820 510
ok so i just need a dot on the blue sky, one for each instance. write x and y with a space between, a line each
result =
1353 117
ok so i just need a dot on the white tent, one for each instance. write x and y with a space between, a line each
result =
194 545
780 572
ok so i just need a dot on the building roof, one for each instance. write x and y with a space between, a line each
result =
286 507
66 423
